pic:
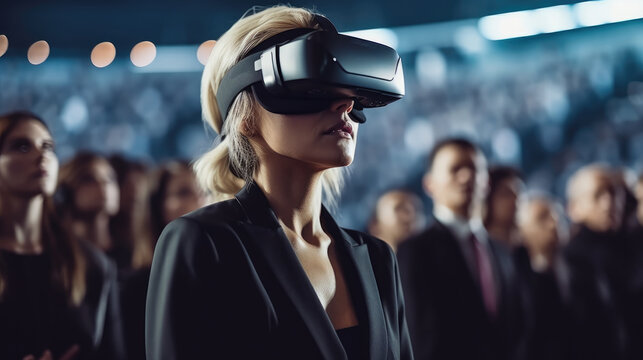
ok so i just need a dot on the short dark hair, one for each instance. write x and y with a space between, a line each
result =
461 143
499 173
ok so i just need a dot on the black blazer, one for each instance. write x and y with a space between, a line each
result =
226 284
445 310
598 295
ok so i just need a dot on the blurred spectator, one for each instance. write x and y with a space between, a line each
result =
625 181
398 214
174 192
89 197
131 224
500 205
459 285
57 296
596 257
543 278
635 270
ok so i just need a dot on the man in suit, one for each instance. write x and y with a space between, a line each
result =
597 259
462 302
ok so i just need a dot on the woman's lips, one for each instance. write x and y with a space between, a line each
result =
342 128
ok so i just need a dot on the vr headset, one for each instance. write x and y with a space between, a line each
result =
304 70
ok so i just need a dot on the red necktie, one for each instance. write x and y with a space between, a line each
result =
485 276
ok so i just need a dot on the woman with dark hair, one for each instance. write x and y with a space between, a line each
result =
130 224
56 296
269 274
173 192
89 198
500 205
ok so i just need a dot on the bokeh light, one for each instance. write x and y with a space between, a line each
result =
103 54
143 53
4 44
38 52
203 53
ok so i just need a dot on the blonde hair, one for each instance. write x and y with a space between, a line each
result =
226 168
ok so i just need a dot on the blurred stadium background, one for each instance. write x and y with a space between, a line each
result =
546 86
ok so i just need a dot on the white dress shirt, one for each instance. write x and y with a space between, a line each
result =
462 229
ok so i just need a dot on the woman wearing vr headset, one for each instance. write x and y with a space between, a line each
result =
269 274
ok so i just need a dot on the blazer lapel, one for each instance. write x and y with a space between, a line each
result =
358 273
266 235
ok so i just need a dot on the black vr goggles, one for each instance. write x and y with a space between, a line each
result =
304 70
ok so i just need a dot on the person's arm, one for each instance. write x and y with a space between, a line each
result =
415 280
112 345
406 351
181 311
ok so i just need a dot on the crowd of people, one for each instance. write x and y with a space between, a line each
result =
505 272
237 256
76 244
497 271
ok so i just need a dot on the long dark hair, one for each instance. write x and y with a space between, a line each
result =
67 263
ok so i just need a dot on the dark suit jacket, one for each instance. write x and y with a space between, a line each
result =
445 311
546 311
598 295
226 284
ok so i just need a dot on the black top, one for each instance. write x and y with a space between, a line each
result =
350 339
226 284
35 314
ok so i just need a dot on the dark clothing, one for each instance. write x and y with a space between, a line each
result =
227 284
634 305
350 339
133 295
597 264
35 314
445 310
547 318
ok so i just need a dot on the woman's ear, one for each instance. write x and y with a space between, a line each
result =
247 129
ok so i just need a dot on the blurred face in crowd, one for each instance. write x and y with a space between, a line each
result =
539 225
398 215
594 201
97 190
503 201
322 140
182 196
28 164
133 191
457 179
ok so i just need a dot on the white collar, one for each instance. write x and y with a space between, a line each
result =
461 227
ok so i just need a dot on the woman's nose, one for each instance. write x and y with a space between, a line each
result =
342 105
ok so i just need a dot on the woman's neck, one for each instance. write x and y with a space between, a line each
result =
295 195
22 227
96 230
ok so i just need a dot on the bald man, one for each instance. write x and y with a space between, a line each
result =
596 259
398 214
542 276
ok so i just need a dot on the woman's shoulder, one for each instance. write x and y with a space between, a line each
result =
211 218
202 231
376 246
